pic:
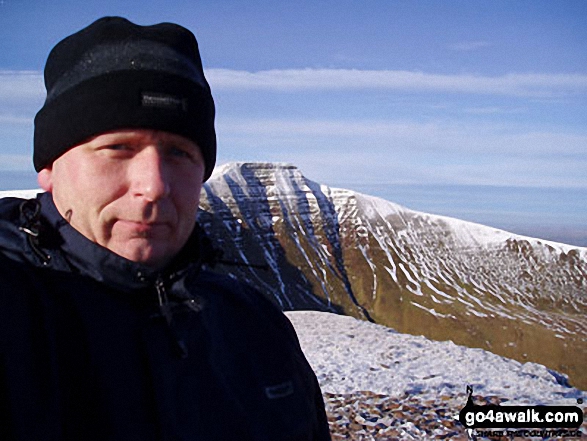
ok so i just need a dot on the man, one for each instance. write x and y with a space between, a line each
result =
111 325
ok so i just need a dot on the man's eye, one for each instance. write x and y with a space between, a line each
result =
178 152
118 147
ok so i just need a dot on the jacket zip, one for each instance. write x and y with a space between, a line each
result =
30 211
165 309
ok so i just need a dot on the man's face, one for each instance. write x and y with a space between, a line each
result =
135 192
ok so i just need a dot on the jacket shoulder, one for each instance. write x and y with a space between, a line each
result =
241 296
9 207
12 242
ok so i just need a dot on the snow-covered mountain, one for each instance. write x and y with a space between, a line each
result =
335 250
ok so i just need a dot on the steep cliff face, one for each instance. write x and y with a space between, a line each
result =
269 214
336 250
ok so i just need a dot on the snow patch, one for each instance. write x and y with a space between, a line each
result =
350 355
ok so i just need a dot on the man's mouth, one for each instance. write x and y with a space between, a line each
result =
145 229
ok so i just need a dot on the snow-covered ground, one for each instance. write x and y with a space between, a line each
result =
351 355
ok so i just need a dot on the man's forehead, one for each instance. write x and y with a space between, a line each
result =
142 135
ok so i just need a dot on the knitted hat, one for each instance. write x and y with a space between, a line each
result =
115 74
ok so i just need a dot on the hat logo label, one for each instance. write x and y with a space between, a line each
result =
163 101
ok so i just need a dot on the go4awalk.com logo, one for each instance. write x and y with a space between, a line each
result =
529 417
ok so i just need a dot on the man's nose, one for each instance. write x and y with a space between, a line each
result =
148 175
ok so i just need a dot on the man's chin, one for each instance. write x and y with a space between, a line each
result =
153 255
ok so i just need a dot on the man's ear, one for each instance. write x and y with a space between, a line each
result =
45 179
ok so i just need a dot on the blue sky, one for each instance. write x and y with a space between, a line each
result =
475 109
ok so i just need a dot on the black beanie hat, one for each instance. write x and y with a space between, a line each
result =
115 74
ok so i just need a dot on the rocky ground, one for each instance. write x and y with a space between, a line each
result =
366 416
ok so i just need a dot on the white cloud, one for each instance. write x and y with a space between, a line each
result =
466 46
21 95
12 120
408 135
27 86
15 162
17 85
526 85
410 152
495 110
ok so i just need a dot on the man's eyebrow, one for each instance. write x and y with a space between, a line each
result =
115 137
176 140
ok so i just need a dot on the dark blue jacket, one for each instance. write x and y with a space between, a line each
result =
96 347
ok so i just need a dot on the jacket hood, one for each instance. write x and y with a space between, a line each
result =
33 231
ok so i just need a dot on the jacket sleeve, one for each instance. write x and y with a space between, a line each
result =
321 430
5 432
273 353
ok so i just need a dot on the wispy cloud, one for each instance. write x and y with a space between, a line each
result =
447 136
495 110
527 85
13 120
16 86
467 46
15 162
21 95
410 151
21 84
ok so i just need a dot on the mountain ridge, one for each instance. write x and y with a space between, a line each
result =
336 250
226 167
